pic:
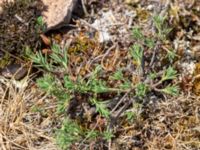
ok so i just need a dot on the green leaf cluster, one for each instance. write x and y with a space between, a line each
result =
40 25
49 84
169 74
162 29
136 52
171 90
141 90
137 33
69 133
100 107
57 59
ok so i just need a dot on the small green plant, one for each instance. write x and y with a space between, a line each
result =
152 75
59 56
95 85
133 113
101 108
171 55
169 74
40 25
118 75
137 51
172 90
137 33
57 60
149 42
69 133
162 29
40 21
91 134
41 61
130 116
47 83
141 90
82 86
137 54
108 134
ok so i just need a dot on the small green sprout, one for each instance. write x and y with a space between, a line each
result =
96 85
63 100
136 52
171 55
130 115
68 84
126 85
46 61
149 42
118 75
137 33
171 90
108 134
169 74
100 108
99 86
40 25
159 23
47 83
152 75
40 21
59 56
91 134
141 90
69 133
41 61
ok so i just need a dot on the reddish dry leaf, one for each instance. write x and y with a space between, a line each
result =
45 40
46 51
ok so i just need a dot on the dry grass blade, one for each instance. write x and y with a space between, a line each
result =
20 127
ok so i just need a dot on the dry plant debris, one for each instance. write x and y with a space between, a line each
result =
171 124
27 116
111 93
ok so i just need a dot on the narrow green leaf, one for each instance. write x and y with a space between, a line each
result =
136 52
171 90
169 74
118 75
141 90
100 108
137 33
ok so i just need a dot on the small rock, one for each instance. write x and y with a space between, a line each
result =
188 68
57 13
103 24
2 2
14 70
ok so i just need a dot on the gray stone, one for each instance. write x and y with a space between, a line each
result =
57 12
1 4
